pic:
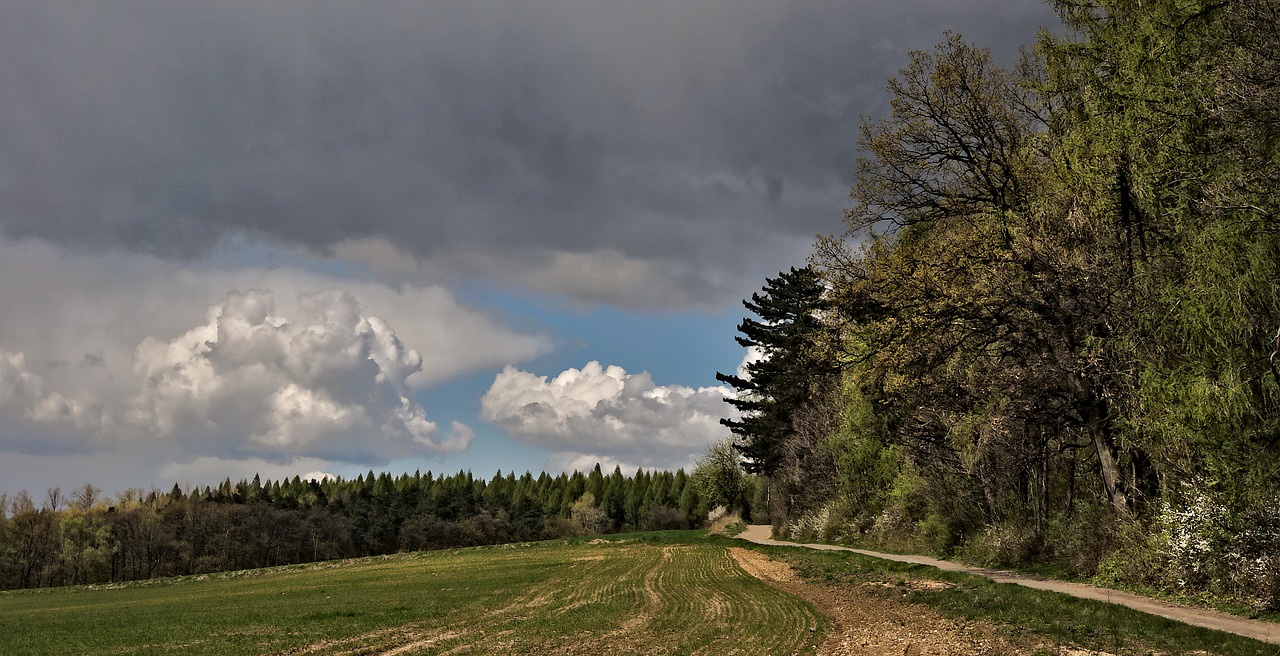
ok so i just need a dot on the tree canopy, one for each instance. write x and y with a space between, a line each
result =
1053 321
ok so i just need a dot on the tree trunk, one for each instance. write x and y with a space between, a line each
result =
1096 418
1096 421
1110 472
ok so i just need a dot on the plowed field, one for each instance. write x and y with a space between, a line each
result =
633 597
643 599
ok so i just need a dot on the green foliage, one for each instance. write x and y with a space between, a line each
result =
1057 306
147 534
866 465
719 478
588 516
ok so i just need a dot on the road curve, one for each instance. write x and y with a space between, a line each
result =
1258 630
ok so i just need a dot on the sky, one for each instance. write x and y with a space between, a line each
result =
325 237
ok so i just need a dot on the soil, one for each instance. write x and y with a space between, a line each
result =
865 619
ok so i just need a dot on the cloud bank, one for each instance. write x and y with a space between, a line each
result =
226 226
698 144
281 364
327 382
605 414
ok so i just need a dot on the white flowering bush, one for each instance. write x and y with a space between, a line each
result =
1208 545
811 527
1193 532
890 523
1253 563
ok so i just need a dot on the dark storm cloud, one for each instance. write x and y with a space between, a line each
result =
693 135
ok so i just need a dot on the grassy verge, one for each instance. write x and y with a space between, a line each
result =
1205 600
675 593
1062 572
1031 616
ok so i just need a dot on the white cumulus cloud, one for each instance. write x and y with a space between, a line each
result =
210 470
326 380
585 462
111 354
754 354
22 394
607 414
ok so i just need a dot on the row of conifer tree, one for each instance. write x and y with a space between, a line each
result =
85 538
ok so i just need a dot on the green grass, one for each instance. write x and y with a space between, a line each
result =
1028 614
1062 572
653 594
1202 600
646 593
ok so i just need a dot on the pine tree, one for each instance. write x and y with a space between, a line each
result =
789 339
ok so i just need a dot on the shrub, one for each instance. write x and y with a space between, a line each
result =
1202 544
1231 550
665 518
725 523
810 527
1005 543
559 527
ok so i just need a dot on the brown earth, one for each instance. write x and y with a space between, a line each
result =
865 619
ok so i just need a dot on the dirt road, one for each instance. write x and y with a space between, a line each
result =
1265 631
867 623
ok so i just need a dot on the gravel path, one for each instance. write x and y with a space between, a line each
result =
1258 630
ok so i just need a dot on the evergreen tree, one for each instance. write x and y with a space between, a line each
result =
792 368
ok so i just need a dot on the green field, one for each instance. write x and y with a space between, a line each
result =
654 594
651 593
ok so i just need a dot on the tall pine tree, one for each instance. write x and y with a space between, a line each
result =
782 382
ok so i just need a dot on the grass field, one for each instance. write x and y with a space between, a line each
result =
656 594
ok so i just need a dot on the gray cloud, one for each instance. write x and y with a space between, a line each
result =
496 138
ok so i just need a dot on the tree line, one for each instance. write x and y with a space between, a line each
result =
86 538
1050 333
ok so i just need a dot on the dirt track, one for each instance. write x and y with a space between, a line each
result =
1265 631
867 621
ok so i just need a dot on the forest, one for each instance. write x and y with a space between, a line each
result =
1049 334
85 538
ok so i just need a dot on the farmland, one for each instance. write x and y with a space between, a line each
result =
678 592
670 594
